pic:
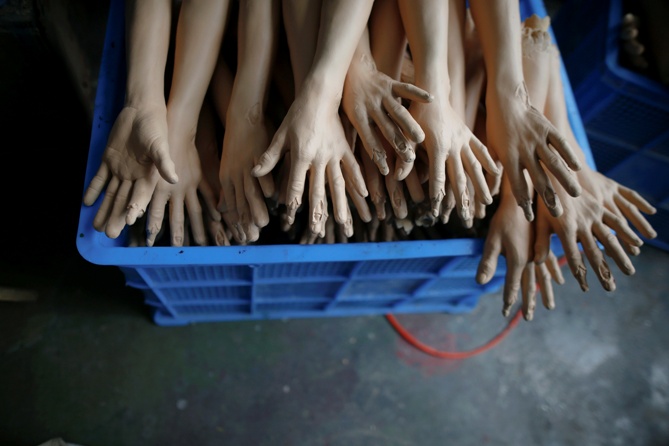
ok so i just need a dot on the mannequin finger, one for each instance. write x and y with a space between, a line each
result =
217 233
375 186
492 249
102 215
520 190
97 185
140 198
553 267
597 262
353 173
556 166
396 193
613 248
637 200
482 154
623 231
361 206
458 182
404 120
402 169
245 221
476 177
163 161
632 214
341 211
544 187
117 217
270 158
195 218
575 259
267 186
414 187
372 144
528 283
393 135
411 92
566 151
437 181
154 220
543 276
447 205
317 199
295 187
228 207
177 220
494 181
254 197
514 272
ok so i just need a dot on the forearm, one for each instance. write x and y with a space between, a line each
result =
257 39
147 43
198 40
387 38
301 18
335 49
498 25
424 22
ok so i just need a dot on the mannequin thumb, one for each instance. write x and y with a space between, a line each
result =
165 165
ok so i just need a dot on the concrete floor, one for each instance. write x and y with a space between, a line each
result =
85 362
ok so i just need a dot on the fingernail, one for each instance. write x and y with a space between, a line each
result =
550 198
527 210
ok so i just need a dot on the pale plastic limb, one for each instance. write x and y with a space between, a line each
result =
137 151
199 33
451 146
247 129
206 143
626 204
581 219
516 130
584 220
312 129
372 101
511 235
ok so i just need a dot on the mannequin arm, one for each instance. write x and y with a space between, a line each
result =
517 131
198 40
625 203
453 150
312 129
137 149
247 131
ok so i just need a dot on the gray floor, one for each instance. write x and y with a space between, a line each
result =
85 362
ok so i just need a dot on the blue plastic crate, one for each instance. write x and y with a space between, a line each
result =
202 284
625 114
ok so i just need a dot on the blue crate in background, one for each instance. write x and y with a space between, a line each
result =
625 114
203 284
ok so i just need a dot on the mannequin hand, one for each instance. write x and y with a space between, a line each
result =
187 162
622 201
137 153
520 136
453 151
373 99
313 132
585 220
546 273
509 235
242 195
